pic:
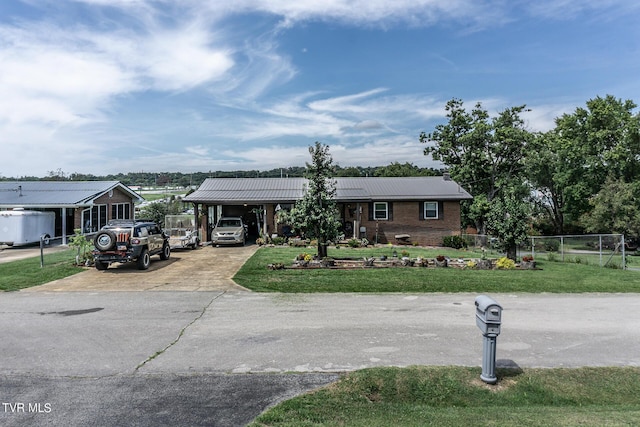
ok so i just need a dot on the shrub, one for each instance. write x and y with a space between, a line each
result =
505 263
527 258
551 245
304 257
79 241
278 240
455 242
404 253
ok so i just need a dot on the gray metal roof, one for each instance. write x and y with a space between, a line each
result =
283 190
56 193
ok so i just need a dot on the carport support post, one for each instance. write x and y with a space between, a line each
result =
489 360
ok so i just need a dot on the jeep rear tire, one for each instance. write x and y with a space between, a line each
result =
105 240
101 265
166 252
144 260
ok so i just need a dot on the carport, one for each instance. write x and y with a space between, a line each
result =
255 200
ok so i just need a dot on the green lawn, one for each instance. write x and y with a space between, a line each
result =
25 273
455 396
553 276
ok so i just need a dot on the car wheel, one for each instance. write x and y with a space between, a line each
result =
166 252
144 260
101 265
105 240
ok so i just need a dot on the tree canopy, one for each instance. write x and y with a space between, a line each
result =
317 212
483 154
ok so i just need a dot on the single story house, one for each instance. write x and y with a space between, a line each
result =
86 205
418 210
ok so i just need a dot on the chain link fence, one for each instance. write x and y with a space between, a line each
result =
605 250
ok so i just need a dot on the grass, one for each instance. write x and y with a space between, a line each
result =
25 273
554 277
455 396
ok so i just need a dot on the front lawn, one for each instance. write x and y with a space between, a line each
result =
25 273
553 276
455 396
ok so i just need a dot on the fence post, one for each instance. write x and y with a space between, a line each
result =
624 261
562 247
533 247
600 247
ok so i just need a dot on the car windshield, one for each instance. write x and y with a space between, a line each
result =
229 223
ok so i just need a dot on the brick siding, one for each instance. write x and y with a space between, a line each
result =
406 219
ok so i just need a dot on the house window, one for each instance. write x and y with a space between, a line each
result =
431 210
381 211
121 211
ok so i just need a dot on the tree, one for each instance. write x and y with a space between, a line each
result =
508 219
156 211
547 173
615 209
403 169
484 155
316 213
574 160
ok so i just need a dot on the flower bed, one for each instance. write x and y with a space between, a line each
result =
306 261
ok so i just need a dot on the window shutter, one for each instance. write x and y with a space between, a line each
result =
421 211
440 210
371 211
390 206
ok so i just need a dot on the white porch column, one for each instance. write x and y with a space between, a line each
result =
64 226
264 220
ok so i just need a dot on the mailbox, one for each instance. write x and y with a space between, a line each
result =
488 315
488 320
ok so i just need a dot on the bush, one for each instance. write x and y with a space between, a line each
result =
551 245
505 263
455 242
278 240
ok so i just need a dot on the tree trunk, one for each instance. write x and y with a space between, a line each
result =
511 252
322 250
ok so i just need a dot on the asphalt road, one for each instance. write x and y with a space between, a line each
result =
221 358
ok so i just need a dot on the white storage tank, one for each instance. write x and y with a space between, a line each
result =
19 227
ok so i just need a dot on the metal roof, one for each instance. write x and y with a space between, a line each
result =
283 190
56 193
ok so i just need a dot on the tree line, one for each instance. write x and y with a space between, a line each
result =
186 180
581 176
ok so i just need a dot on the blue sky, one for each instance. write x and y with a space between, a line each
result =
106 86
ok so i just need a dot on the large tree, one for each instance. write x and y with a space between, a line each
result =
316 213
483 154
573 161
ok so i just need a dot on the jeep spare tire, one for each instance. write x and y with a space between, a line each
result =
105 240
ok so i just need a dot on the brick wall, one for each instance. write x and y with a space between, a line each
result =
405 218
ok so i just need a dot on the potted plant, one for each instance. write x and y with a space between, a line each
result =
441 261
528 262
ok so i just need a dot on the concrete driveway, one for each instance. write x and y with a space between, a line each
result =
204 269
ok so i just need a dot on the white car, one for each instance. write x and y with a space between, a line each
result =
229 231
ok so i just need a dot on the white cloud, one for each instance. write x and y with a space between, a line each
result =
198 150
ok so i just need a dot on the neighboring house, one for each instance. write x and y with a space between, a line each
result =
86 205
418 210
